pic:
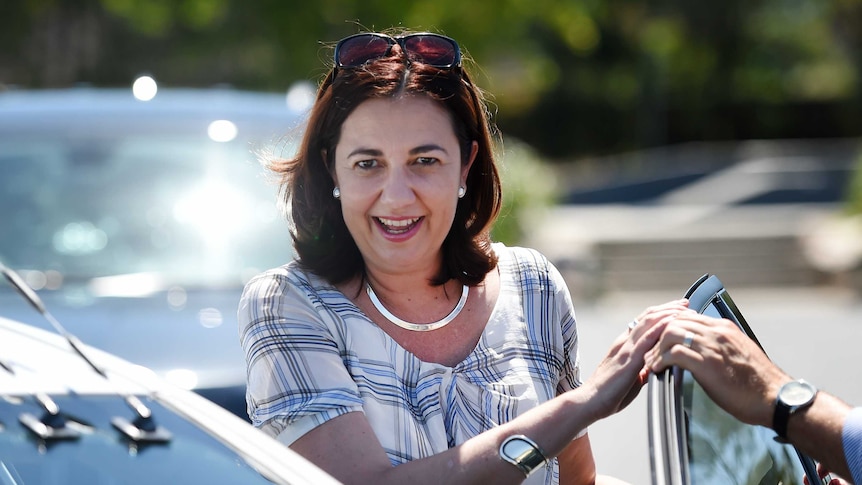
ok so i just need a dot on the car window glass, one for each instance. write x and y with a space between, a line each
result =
184 207
101 455
724 450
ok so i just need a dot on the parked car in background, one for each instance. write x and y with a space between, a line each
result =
71 414
139 221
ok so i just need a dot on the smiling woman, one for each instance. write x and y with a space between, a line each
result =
399 194
403 344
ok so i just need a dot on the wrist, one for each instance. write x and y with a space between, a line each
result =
771 383
523 453
793 397
588 401
825 412
767 408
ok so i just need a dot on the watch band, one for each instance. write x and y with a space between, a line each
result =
522 452
779 420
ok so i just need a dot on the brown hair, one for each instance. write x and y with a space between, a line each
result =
320 236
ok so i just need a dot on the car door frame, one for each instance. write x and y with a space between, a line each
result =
668 441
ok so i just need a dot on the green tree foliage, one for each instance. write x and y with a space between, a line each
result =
571 77
529 188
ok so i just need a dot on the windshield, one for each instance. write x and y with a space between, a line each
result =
164 208
101 455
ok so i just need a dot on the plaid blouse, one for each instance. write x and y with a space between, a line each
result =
312 355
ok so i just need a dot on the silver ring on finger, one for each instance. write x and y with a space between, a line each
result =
688 339
633 324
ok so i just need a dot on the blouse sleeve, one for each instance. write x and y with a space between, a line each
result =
565 314
852 439
565 311
295 374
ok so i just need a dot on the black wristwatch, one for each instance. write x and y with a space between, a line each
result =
792 397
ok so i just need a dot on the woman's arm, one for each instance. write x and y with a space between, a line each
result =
577 465
347 448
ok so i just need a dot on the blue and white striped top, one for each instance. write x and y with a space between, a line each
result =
312 355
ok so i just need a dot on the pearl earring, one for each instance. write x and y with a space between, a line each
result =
336 192
461 191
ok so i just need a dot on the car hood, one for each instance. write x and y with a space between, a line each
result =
41 373
194 344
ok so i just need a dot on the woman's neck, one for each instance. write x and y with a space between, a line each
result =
411 296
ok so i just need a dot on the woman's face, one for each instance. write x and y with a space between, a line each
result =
398 166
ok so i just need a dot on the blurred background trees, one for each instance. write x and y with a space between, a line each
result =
571 78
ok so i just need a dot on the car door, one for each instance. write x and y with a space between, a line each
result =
693 441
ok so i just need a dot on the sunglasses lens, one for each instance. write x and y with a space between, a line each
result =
434 50
359 49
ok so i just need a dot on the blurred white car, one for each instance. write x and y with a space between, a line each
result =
140 221
72 414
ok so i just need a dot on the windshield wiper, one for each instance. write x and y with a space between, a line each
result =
142 428
53 425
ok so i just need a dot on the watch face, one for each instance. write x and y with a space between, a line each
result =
517 449
797 393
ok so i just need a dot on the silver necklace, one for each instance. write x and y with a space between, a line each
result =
418 327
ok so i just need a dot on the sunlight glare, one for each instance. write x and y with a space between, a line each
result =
301 96
183 378
145 88
222 131
216 210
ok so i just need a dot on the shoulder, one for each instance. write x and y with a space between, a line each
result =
522 260
282 279
288 300
287 289
518 254
531 270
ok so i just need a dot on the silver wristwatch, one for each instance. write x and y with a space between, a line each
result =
522 452
792 396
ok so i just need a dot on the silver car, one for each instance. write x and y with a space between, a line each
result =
140 221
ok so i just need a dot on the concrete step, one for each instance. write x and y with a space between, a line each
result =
771 261
618 247
674 264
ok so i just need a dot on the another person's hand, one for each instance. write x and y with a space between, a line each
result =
731 367
619 377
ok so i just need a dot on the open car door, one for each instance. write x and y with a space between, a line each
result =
693 441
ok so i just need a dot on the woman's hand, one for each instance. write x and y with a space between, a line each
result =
621 374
